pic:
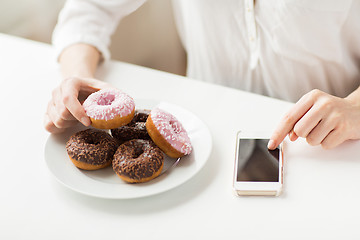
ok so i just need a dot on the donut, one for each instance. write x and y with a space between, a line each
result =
136 129
91 149
168 133
138 161
109 108
141 115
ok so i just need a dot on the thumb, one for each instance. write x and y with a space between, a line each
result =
91 85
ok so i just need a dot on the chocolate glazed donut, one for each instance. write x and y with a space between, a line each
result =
136 129
138 160
91 149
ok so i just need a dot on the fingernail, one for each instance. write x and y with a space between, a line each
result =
271 144
85 121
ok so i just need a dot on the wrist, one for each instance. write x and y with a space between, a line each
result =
354 98
79 60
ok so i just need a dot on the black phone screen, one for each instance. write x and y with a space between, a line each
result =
256 162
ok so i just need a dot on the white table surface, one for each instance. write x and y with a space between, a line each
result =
321 192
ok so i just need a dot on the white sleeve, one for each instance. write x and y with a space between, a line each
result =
90 21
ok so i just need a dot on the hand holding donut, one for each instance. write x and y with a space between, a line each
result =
321 119
64 109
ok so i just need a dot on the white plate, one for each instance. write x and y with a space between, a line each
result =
104 183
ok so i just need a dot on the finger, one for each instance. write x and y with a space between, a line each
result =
292 135
50 126
320 132
90 85
60 108
70 93
287 123
56 120
333 139
51 113
93 85
308 121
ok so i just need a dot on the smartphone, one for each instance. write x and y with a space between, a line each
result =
257 170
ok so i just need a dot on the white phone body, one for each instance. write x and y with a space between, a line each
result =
251 156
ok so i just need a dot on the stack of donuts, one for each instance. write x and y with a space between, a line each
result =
137 140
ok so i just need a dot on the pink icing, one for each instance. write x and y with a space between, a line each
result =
171 130
106 104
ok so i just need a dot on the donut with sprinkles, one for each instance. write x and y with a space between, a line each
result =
109 108
168 133
138 161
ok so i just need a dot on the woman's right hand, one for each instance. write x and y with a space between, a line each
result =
65 109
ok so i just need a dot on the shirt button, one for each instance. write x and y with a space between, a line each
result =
252 38
248 9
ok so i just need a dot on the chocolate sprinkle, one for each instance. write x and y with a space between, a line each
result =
137 159
136 129
92 146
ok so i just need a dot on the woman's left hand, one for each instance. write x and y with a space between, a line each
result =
321 119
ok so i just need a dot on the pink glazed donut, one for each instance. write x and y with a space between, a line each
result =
168 133
109 108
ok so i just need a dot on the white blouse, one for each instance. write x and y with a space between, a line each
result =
280 48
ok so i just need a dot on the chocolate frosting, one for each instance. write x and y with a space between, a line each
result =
136 129
92 146
137 159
